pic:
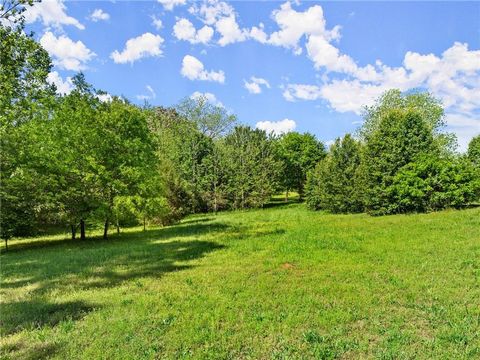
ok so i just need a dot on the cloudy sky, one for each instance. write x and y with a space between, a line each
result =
281 66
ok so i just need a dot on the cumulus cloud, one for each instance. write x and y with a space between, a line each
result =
151 94
277 127
454 78
294 25
184 30
63 86
99 15
254 86
170 4
51 13
157 23
211 98
302 92
146 45
66 53
193 69
223 18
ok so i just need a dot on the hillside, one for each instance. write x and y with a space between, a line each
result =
282 282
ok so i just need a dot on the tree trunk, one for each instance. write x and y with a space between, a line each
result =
118 227
286 196
105 229
74 231
82 229
144 227
6 244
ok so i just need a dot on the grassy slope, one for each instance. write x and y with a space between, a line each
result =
277 283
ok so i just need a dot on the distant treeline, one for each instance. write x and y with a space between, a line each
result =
400 162
88 157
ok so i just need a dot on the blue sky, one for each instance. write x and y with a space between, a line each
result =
307 66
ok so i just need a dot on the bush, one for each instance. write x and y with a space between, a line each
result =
431 183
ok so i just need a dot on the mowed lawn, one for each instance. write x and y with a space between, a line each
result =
278 283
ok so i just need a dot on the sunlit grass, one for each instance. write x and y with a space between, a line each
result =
281 282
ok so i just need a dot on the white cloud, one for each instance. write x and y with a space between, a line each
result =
302 92
212 10
211 98
157 23
193 69
222 17
184 30
51 13
324 54
98 15
258 34
170 4
229 30
145 45
151 94
254 86
63 87
66 53
277 127
294 25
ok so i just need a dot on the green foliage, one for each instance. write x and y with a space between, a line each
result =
474 150
26 100
299 153
432 183
401 136
428 108
404 163
211 120
332 185
251 167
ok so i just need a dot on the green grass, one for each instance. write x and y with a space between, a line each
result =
277 283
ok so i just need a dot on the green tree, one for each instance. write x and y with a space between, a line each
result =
400 136
26 100
211 120
474 150
124 153
434 183
299 153
428 107
332 185
252 167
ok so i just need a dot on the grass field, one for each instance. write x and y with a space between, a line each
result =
277 283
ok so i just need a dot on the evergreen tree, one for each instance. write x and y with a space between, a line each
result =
332 186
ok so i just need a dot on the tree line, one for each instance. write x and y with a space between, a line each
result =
401 160
89 159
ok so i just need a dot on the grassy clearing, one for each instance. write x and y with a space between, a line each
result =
282 282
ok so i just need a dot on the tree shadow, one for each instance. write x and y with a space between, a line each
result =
66 266
180 230
196 220
31 314
21 349
274 203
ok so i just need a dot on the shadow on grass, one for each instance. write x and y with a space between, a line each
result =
280 203
197 220
181 230
32 314
69 266
21 349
